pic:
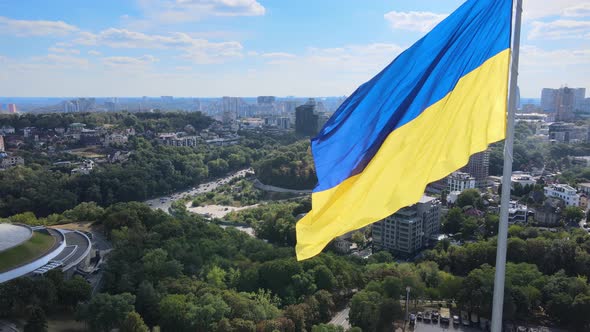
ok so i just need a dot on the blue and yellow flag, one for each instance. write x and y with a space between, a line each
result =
440 101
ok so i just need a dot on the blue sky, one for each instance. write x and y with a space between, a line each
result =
251 47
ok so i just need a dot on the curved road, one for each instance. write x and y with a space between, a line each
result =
163 203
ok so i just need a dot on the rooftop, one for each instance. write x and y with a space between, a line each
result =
12 235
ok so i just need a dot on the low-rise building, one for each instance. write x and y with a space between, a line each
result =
460 181
8 161
112 139
563 192
517 213
583 161
549 214
172 139
523 179
584 187
85 167
90 137
6 130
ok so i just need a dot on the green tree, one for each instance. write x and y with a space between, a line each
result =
133 323
327 328
453 221
470 197
105 312
572 214
147 303
74 290
37 322
365 310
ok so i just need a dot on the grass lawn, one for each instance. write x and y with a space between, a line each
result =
35 247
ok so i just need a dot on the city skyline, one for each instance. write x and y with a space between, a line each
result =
247 48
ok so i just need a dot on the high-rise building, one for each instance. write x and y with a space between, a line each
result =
479 168
564 104
408 230
579 98
548 99
230 107
290 105
563 101
266 100
1 143
11 108
307 119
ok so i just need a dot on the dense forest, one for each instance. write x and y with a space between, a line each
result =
183 274
141 121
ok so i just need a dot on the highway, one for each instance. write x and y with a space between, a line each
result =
163 203
341 318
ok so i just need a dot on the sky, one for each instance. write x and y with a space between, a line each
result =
211 48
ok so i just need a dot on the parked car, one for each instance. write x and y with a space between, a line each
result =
435 316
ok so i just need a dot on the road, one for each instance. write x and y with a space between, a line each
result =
341 319
426 327
163 203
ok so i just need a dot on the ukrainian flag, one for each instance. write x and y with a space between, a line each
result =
440 101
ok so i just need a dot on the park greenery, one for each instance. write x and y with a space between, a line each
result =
274 222
238 192
182 273
289 167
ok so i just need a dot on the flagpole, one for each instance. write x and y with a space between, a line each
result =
506 179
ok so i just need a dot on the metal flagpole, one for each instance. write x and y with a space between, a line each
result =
506 178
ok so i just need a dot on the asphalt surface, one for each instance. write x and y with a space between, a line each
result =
341 318
426 327
163 203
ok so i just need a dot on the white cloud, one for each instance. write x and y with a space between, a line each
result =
534 9
540 68
176 11
581 10
54 61
129 62
278 55
198 50
94 53
414 21
62 50
23 28
560 29
551 60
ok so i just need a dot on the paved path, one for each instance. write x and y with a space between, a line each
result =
266 187
216 211
341 319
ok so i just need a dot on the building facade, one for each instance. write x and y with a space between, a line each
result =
479 168
563 192
7 161
517 213
459 181
410 229
307 119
